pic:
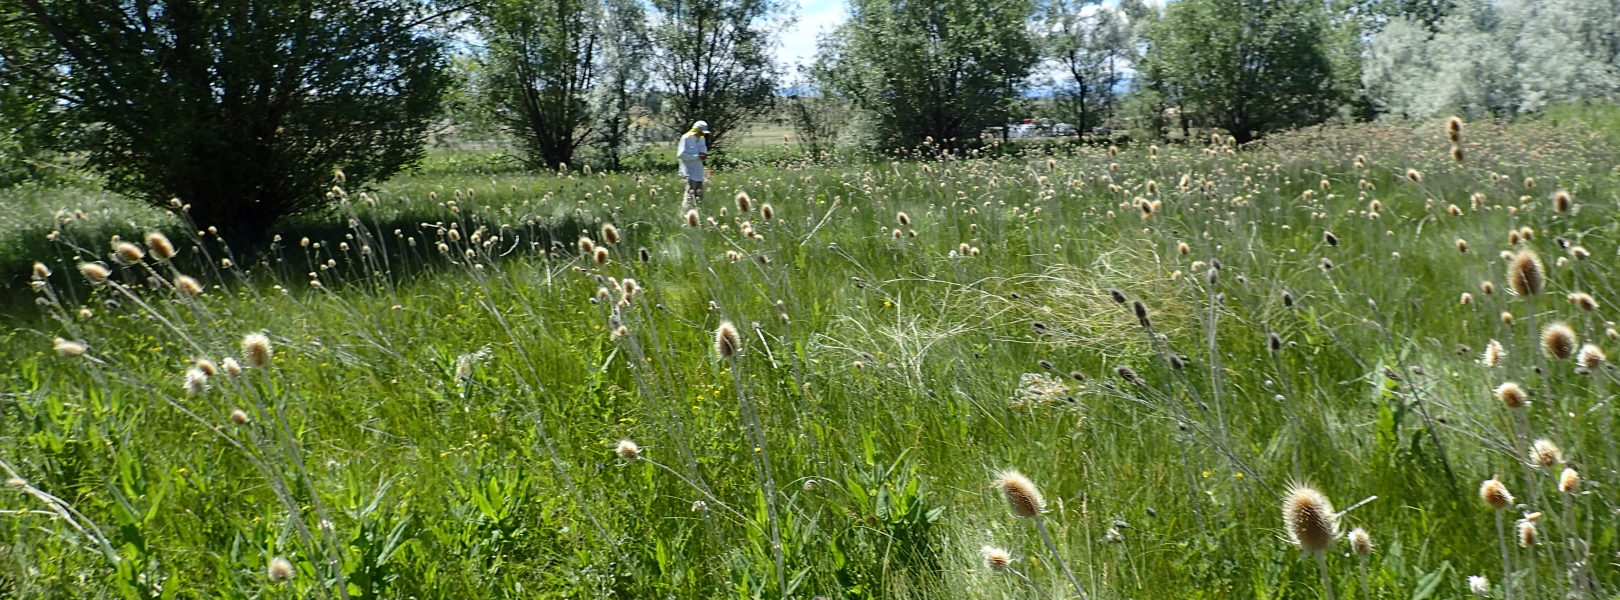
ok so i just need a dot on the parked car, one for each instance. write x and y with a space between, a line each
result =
1064 129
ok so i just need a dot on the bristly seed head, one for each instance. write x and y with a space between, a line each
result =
610 234
1361 542
1495 494
1309 519
1511 394
996 558
1528 536
1022 497
1569 481
1494 353
1583 301
726 342
1544 453
628 450
743 201
256 350
1525 275
68 349
1479 586
280 570
95 272
160 246
1558 340
1590 358
1117 295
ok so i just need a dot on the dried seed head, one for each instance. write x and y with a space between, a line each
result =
743 201
1583 301
1558 340
1414 175
1487 287
67 348
240 417
1528 536
95 272
187 285
1579 253
601 255
1525 275
692 218
196 382
256 350
995 558
1360 542
1117 295
1495 494
1141 312
1544 453
1561 201
610 234
1183 249
1479 586
1590 358
1022 497
1507 318
1454 130
1511 394
628 450
726 342
280 570
1467 298
903 218
645 254
1462 245
160 246
207 367
1494 353
1288 299
231 367
1452 210
1569 481
1274 341
766 212
1309 519
1457 152
586 246
128 252
1332 240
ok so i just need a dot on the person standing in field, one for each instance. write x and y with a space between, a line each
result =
693 150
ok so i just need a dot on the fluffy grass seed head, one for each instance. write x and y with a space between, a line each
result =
280 570
1558 340
628 450
159 245
1309 519
1023 498
1569 481
256 350
1511 394
996 558
68 348
1361 542
1544 453
1495 494
1525 275
726 342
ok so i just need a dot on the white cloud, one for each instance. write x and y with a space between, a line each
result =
814 18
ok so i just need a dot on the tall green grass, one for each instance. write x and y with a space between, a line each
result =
442 423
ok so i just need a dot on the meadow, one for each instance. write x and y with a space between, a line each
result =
1041 372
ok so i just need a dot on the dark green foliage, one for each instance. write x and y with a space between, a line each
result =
242 108
539 67
31 121
713 57
1245 66
940 69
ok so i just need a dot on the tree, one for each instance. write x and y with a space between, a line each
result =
939 69
712 56
1091 42
1246 66
31 118
1497 58
242 108
624 53
541 64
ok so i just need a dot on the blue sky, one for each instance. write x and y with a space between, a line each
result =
813 18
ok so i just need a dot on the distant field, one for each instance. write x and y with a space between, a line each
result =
427 393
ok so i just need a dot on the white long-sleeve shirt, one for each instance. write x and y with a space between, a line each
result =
691 147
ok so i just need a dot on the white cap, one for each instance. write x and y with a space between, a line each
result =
702 126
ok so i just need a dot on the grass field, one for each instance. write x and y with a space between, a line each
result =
426 394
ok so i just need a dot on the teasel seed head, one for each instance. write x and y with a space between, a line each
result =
240 417
1507 318
1494 353
1183 249
996 558
41 272
692 218
1583 301
1528 536
206 366
645 254
1454 130
1288 299
628 450
1487 287
1414 175
610 234
766 212
1544 453
1495 494
1117 295
1457 152
1561 201
127 252
903 218
726 342
1467 298
187 285
1569 481
280 570
256 350
1309 519
1332 240
1212 276
159 245
1126 373
1558 340
586 246
1141 311
1590 358
67 348
1361 542
1453 210
1479 586
1579 253
1274 341
743 201
1023 498
231 367
601 255
1525 275
95 272
1511 394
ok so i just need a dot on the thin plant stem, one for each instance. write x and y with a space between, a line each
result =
1041 525
1321 562
1507 565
